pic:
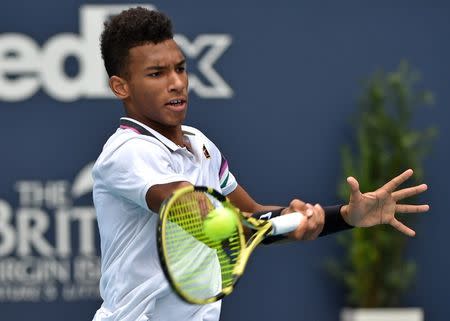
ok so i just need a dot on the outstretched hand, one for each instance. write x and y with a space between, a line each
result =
380 206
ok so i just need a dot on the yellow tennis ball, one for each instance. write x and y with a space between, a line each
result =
219 224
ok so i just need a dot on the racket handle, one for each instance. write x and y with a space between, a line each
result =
285 223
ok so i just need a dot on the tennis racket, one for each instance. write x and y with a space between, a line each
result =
202 269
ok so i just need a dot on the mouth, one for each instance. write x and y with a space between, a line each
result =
177 104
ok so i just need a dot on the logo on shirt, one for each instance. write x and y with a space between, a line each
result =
205 152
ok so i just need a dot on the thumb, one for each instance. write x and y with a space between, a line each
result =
354 185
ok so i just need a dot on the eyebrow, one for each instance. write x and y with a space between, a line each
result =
182 62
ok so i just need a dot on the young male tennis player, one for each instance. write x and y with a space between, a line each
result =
152 154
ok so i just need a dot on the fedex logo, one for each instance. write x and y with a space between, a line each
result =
25 67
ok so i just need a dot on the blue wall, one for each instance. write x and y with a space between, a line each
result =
294 69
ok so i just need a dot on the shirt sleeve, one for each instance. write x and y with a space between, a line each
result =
227 180
135 167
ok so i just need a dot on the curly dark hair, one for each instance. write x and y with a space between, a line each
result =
131 28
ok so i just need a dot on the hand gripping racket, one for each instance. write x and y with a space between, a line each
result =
200 268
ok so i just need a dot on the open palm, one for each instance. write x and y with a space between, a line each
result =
380 206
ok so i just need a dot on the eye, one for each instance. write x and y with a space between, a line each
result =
155 74
181 69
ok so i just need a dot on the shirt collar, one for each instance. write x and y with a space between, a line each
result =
140 128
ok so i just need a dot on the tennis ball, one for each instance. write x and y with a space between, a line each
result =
219 224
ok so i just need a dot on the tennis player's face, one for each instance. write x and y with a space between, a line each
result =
157 85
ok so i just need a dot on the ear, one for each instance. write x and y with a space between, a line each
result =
119 87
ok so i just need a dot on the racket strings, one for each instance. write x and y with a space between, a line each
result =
200 267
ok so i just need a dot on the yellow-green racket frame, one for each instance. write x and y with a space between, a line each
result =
262 229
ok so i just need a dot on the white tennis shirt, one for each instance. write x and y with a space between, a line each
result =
135 158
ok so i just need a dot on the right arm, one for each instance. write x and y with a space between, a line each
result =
156 194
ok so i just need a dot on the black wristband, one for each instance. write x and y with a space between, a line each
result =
266 215
334 222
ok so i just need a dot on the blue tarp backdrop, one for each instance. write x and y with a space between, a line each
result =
274 84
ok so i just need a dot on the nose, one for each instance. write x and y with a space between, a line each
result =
177 81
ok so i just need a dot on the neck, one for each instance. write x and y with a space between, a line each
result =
173 133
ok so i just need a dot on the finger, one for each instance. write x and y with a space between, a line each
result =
315 222
303 231
320 214
320 220
297 205
408 192
310 210
403 228
404 208
397 181
354 185
300 231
